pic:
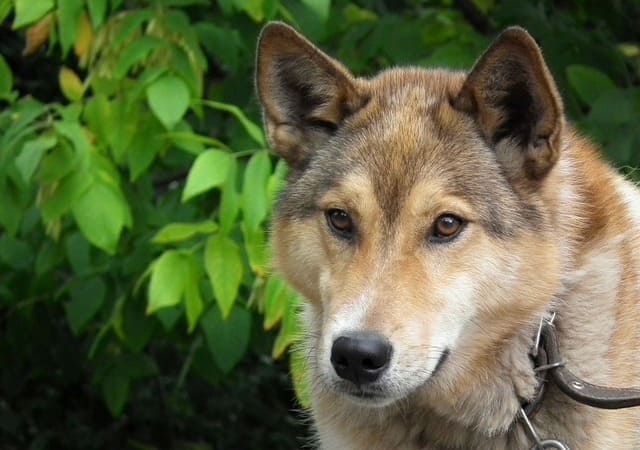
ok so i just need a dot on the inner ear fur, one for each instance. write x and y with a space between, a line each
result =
511 94
305 94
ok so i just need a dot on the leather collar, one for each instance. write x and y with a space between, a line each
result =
577 388
549 365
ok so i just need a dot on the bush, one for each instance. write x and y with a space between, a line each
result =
136 304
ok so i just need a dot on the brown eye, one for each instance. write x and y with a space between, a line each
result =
340 222
446 227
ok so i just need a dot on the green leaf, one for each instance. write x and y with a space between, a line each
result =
5 8
227 340
253 8
484 5
31 154
14 253
115 390
145 145
149 74
194 305
229 200
48 258
254 192
70 114
23 114
185 139
223 262
320 7
168 317
224 44
457 55
87 296
355 14
29 11
6 78
10 210
168 98
137 327
76 134
131 22
122 122
276 294
257 250
176 232
117 377
276 181
271 8
65 195
168 279
183 2
135 53
615 106
58 163
97 11
589 83
98 116
136 366
77 251
193 302
290 330
227 6
69 12
209 170
184 64
254 131
101 215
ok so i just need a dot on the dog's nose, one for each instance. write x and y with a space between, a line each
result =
360 358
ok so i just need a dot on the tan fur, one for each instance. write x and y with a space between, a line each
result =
549 227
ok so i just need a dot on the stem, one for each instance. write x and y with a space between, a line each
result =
188 362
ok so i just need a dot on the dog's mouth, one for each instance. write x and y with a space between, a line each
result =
377 396
368 397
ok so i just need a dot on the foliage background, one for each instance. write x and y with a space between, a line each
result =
136 305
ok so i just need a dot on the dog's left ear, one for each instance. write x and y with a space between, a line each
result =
511 94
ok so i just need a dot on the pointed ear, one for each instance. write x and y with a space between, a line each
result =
513 98
305 94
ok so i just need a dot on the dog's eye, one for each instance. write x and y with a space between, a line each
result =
340 222
446 227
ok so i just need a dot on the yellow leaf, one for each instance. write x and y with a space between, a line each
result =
70 84
37 35
84 36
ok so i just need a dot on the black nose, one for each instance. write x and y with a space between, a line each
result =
360 358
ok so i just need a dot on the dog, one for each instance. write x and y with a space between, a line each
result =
431 219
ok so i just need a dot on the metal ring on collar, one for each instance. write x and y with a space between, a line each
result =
550 444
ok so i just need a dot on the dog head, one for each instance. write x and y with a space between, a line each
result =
418 218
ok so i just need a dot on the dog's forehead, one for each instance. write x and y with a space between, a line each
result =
409 133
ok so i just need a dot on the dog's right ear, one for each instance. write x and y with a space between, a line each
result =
305 94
